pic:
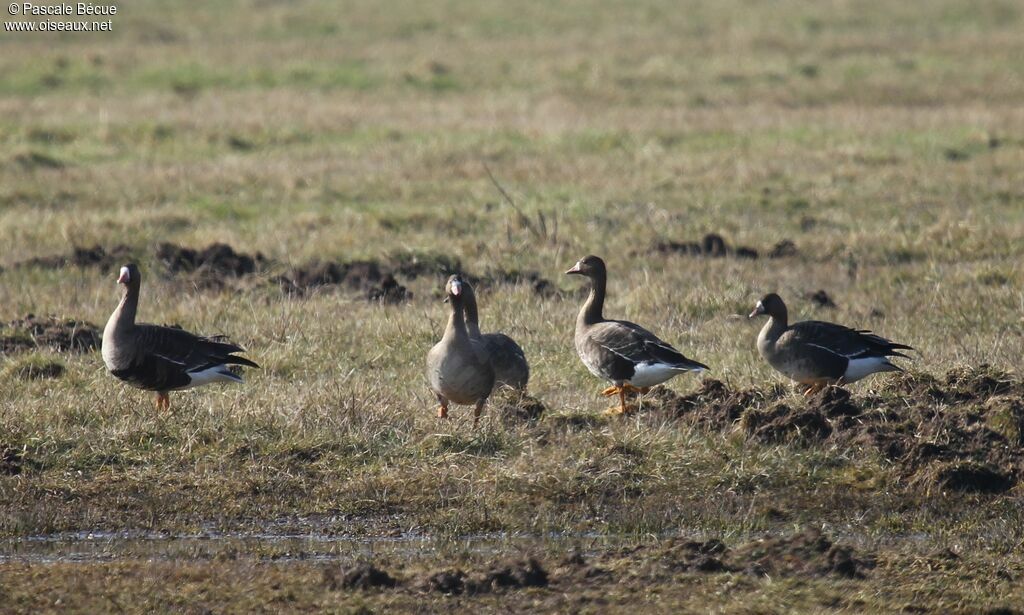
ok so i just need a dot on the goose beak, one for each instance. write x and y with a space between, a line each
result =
575 269
456 288
758 310
123 276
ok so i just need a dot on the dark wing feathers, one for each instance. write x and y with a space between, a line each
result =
635 344
189 352
507 358
850 343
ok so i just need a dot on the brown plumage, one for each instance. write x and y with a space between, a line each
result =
457 367
625 353
816 353
505 355
162 359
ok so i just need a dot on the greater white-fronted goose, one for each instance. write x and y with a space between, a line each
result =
631 357
816 353
457 367
506 356
162 359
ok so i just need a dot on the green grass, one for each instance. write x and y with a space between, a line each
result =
884 141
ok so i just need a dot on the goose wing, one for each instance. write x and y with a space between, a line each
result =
623 341
843 341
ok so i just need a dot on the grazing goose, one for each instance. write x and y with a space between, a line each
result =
162 359
457 367
506 357
816 353
631 357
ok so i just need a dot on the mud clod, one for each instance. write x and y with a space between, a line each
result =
515 574
961 433
31 161
62 335
209 264
972 477
781 423
35 369
834 402
695 556
363 576
512 574
714 245
388 291
451 582
11 461
95 256
714 405
415 264
515 406
821 299
368 277
513 277
807 553
783 249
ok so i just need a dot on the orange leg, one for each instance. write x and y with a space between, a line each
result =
163 401
621 392
621 409
442 411
814 388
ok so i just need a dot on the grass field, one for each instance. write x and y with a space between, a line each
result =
886 142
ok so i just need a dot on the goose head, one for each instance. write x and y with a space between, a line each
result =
772 305
129 277
588 266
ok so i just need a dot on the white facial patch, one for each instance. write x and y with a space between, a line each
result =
456 288
124 276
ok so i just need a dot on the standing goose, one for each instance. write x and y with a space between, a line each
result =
816 353
631 357
506 356
162 359
457 367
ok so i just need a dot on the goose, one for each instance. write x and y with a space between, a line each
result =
631 357
506 356
457 367
815 353
162 359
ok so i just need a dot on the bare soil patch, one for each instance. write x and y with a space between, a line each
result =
714 245
370 278
808 553
499 576
60 334
95 256
362 576
516 406
962 433
540 285
35 369
209 265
